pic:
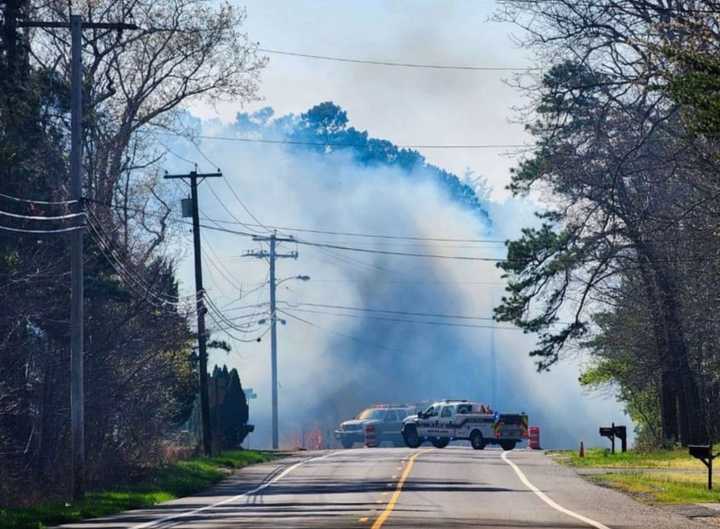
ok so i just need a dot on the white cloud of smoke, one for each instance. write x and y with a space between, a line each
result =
332 365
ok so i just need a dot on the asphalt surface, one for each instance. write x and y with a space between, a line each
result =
455 487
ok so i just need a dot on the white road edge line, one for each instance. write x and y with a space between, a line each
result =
234 498
544 497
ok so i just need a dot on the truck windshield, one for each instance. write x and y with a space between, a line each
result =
371 414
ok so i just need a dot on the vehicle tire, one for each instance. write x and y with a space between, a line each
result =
440 442
507 445
346 443
476 440
411 437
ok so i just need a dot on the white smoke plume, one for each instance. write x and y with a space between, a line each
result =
332 365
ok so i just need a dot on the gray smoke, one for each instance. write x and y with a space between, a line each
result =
331 365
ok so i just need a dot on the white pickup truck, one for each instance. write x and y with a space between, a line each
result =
448 420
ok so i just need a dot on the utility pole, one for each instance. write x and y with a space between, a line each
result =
493 365
272 255
493 371
200 305
77 332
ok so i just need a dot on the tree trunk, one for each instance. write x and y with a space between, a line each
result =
690 408
668 408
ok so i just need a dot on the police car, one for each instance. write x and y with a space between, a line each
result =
449 420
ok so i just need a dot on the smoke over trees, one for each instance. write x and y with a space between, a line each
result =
625 263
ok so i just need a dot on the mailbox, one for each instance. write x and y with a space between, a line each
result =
615 431
704 454
700 451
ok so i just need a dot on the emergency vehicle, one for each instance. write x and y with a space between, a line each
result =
450 420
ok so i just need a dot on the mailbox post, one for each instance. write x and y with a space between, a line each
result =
704 454
615 431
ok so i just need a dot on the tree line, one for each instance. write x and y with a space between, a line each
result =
623 263
140 371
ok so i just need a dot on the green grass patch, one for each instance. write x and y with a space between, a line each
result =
660 487
661 476
165 483
598 457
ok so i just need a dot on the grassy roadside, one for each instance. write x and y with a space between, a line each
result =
167 483
663 476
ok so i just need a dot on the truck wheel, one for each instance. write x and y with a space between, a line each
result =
411 437
440 442
346 443
507 445
476 440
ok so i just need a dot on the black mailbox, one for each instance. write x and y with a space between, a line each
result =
615 431
700 451
704 454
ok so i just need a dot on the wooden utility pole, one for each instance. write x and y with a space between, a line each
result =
200 306
271 256
77 334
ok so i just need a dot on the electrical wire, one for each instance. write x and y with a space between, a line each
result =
414 322
232 190
210 304
398 253
41 202
374 345
397 64
105 247
42 232
334 144
237 338
337 246
224 206
412 282
39 217
246 294
365 235
216 263
396 312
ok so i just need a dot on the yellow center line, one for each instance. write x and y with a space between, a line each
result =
396 495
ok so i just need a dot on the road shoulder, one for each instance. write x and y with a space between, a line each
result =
241 481
568 488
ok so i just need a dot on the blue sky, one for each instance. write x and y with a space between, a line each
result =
407 106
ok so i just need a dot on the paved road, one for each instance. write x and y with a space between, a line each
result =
455 487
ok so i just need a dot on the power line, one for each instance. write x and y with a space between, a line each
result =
338 144
411 321
224 206
591 4
397 64
397 312
41 202
375 345
411 282
232 190
334 246
41 217
366 235
216 263
398 253
132 279
41 232
357 263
